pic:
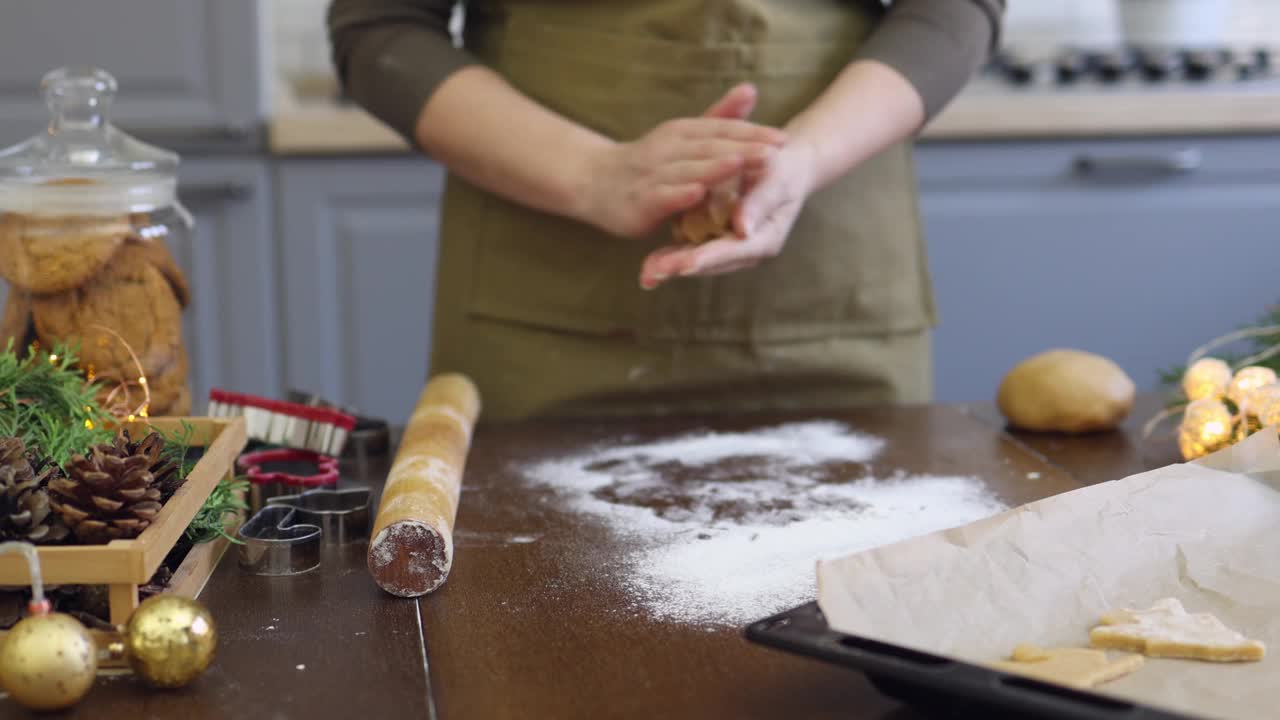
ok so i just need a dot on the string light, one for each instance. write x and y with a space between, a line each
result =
88 424
1264 404
1247 380
123 408
1206 378
53 358
1206 427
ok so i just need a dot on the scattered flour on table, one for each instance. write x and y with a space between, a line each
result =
733 523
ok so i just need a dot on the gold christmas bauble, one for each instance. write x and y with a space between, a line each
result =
1206 378
48 662
1247 380
170 640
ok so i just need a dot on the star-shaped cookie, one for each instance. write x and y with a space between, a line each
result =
1167 630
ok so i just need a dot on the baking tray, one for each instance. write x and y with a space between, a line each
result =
939 686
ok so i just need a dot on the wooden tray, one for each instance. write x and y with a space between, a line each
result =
123 565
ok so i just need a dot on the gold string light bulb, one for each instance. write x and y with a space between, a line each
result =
1247 380
1206 427
1206 378
1264 404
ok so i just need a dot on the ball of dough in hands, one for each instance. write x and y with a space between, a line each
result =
1068 391
711 219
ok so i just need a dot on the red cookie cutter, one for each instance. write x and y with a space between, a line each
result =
326 466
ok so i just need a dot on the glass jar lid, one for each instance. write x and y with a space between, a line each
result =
82 164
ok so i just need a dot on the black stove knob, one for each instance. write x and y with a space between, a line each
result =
1013 68
1070 67
1157 65
1020 74
1111 67
1199 65
1252 64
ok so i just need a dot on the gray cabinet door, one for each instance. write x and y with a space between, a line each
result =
188 69
1140 266
231 327
359 241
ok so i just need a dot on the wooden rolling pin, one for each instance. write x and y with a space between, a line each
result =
411 549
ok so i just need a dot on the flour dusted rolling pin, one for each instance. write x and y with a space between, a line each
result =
411 549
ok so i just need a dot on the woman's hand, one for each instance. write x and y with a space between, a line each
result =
773 197
634 187
869 107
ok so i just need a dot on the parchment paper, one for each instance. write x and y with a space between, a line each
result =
1207 533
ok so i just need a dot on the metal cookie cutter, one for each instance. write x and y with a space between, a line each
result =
342 515
277 542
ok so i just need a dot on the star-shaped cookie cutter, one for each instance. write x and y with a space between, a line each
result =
285 536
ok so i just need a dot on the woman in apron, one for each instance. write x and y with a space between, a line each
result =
574 130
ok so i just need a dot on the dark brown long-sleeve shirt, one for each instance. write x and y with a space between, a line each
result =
392 54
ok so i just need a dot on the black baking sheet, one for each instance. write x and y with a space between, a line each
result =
937 685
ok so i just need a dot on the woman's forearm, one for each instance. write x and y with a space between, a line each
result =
484 130
488 132
866 109
919 57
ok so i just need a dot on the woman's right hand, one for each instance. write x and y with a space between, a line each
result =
633 187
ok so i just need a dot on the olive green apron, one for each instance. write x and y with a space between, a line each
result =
547 316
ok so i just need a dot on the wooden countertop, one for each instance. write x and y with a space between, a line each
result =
530 630
978 114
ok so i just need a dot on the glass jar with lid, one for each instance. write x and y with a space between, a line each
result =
87 218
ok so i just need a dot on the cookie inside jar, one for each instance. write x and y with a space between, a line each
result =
89 217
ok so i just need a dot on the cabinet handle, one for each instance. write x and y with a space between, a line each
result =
1180 162
190 135
198 193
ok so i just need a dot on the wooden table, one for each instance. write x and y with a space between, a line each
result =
528 629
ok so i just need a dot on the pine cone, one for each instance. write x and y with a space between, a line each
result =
152 446
164 471
111 494
25 512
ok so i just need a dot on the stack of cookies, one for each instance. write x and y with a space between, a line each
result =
107 286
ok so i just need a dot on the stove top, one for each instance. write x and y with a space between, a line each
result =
1145 67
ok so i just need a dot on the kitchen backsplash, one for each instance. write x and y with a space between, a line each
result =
301 50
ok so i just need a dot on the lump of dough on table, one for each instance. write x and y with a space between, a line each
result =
1065 390
1074 667
1167 630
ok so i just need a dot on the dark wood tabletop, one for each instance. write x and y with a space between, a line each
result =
529 624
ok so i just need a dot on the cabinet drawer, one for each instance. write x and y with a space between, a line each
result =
1101 163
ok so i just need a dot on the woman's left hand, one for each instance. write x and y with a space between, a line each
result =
770 204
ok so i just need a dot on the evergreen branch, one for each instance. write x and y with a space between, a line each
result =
49 404
210 522
177 448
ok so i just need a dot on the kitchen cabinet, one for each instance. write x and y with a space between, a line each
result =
1138 250
358 240
232 327
188 69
